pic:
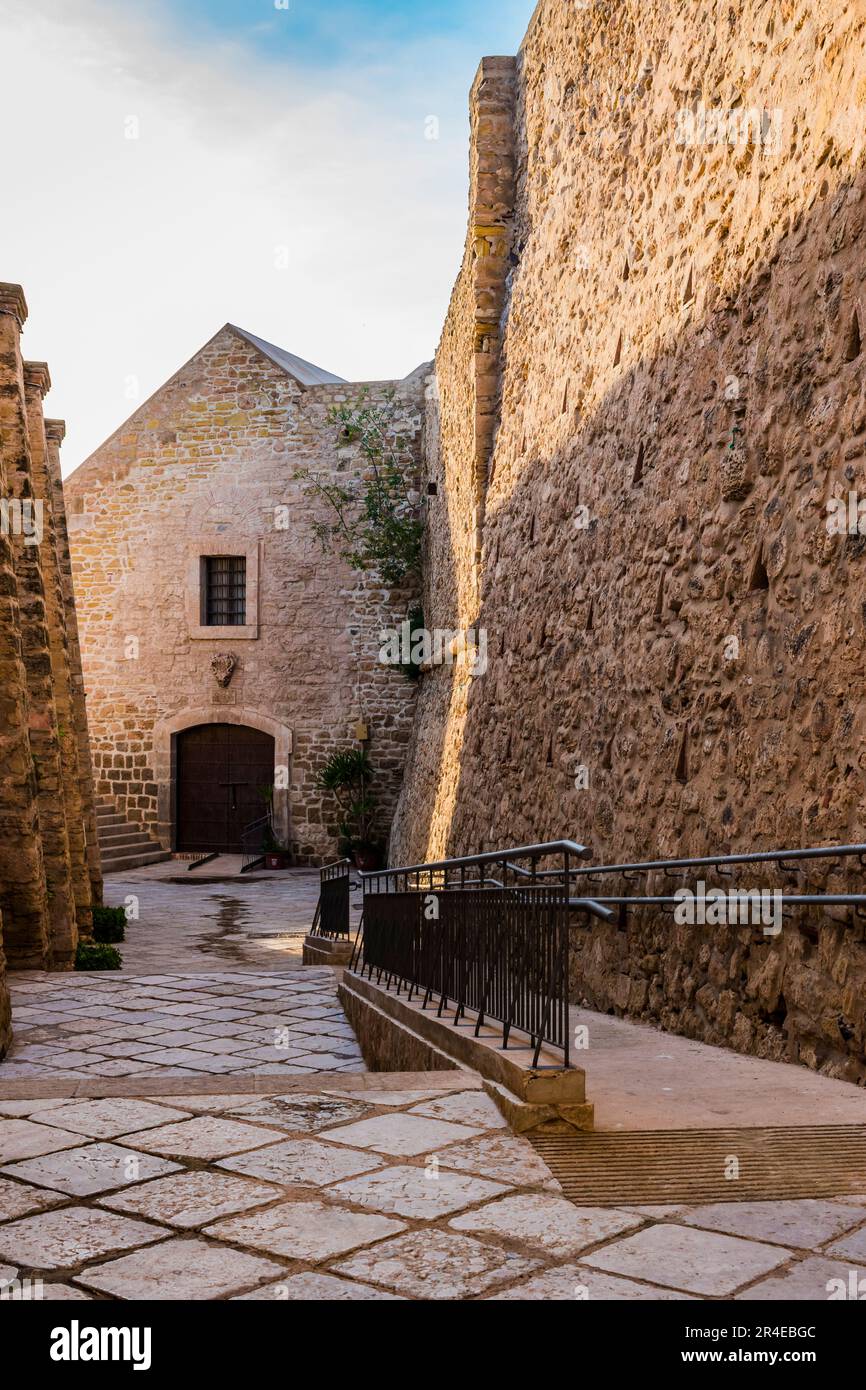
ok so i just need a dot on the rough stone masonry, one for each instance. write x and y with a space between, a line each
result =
649 386
49 869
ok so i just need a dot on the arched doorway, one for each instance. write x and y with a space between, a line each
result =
223 773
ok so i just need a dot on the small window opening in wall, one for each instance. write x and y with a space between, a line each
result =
682 769
432 489
660 597
532 529
638 468
224 590
759 579
590 614
625 267
565 399
853 342
618 354
689 290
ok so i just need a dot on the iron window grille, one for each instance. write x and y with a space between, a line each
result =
224 590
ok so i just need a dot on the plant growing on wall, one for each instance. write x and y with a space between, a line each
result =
374 520
347 774
415 617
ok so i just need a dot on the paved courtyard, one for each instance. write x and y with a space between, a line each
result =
366 1192
246 1023
204 1128
190 921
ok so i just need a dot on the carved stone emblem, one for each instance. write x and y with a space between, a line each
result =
223 667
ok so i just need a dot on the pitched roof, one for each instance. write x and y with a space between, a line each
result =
307 373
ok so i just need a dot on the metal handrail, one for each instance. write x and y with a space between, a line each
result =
778 856
251 856
332 910
493 856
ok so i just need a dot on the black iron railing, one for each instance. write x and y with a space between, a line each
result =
481 934
254 837
488 934
332 909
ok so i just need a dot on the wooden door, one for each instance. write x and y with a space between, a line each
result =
223 771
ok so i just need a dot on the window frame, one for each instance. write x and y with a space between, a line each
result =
206 587
210 546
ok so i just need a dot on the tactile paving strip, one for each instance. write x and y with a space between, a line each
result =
652 1167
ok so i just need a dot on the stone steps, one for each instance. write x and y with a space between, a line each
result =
122 844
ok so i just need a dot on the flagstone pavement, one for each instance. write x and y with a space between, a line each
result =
212 1133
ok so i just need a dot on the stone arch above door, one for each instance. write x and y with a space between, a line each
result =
164 760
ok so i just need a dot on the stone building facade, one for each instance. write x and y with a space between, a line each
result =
649 387
194 715
49 862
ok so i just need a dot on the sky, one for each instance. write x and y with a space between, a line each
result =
298 167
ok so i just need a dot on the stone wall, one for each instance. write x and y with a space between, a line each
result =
207 466
47 889
681 392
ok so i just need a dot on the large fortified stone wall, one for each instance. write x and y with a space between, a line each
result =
49 878
682 392
206 467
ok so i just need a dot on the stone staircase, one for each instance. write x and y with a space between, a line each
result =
122 844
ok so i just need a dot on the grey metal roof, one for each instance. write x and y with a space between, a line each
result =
307 373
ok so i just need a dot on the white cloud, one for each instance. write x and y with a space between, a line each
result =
133 252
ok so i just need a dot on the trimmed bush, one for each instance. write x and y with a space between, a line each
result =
97 956
109 923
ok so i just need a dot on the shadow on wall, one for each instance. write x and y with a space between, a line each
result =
675 642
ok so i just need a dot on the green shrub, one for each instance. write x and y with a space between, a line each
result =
109 924
97 956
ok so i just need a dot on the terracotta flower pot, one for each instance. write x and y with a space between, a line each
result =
276 860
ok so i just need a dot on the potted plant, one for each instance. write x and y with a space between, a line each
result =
347 775
277 855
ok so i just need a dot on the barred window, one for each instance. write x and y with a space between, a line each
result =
224 590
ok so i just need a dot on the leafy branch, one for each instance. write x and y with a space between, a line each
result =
374 521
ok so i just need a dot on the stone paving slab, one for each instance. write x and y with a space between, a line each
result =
191 1199
179 1269
802 1224
19 1199
205 1136
307 1112
551 1224
690 1260
401 1134
24 1139
503 1157
314 1287
420 1192
90 1169
305 1230
303 1162
64 1239
818 1278
434 1264
575 1282
107 1119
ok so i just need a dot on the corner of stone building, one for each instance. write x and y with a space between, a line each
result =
5 1006
46 892
491 210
